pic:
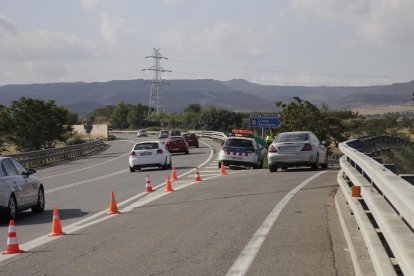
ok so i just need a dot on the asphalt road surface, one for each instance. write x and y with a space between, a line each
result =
249 222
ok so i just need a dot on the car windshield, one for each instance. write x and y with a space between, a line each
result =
292 137
239 143
146 146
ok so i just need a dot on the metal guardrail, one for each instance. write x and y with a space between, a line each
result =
43 157
386 200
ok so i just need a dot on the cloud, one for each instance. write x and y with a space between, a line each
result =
7 26
373 21
115 29
233 40
89 4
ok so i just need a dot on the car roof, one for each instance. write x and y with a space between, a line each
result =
240 138
146 142
295 132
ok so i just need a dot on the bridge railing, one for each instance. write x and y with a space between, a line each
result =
43 157
384 209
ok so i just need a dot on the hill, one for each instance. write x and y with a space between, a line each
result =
238 95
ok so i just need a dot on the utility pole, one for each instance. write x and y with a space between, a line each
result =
154 101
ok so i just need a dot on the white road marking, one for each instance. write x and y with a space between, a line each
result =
246 257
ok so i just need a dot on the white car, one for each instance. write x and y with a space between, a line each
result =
149 154
241 151
297 148
142 133
19 190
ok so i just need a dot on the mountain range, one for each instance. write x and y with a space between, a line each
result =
236 95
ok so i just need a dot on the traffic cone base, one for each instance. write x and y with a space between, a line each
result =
174 174
148 187
113 209
168 187
12 247
56 225
197 177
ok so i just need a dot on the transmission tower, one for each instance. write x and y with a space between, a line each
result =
154 101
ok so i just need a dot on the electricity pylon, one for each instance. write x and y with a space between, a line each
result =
156 83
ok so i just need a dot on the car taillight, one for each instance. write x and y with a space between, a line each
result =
307 147
133 153
272 149
224 148
159 151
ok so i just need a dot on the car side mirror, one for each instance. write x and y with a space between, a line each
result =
31 171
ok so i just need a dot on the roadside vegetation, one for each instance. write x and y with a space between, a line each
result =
32 124
402 158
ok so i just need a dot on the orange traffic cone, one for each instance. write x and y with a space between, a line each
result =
168 187
197 177
12 246
174 174
113 209
148 187
223 169
56 226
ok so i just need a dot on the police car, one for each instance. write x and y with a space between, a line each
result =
241 150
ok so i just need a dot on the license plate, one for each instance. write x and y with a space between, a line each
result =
175 149
289 148
236 158
146 153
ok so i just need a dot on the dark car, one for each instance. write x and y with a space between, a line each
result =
175 132
191 139
176 144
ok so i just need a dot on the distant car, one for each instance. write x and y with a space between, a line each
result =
191 139
19 190
111 137
241 151
175 132
298 148
177 144
149 154
163 134
142 133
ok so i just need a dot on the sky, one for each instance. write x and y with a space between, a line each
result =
274 42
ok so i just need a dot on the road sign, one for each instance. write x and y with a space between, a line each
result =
264 120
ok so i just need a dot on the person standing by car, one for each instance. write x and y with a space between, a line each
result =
269 138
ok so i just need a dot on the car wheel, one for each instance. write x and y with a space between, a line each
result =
170 165
315 166
131 169
11 209
165 166
197 146
325 165
187 152
40 206
272 168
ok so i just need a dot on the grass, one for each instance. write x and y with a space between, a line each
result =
403 160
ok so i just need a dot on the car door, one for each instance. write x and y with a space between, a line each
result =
15 182
30 185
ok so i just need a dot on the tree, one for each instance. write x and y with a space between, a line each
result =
5 124
302 115
221 119
120 116
137 115
191 116
37 124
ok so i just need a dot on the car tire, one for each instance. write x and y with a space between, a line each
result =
315 166
40 205
11 209
197 146
187 152
272 168
170 165
131 169
325 165
219 165
165 166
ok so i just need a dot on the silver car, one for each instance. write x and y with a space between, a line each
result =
299 148
19 190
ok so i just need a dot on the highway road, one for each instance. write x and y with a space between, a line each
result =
249 222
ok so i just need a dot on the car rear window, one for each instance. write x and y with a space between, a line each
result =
239 143
292 137
175 139
146 146
189 135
